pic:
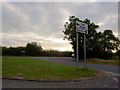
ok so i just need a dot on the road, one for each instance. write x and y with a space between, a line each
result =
97 82
109 80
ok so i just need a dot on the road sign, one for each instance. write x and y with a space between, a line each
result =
81 27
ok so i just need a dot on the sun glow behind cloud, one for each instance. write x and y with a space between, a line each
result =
100 24
64 49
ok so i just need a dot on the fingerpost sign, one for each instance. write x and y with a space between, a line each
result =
81 28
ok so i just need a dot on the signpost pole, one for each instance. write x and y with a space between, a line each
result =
84 50
77 48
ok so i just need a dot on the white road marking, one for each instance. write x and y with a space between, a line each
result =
112 75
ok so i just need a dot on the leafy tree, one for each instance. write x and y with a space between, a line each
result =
118 53
92 40
56 53
109 42
99 44
33 49
20 49
0 50
14 51
4 50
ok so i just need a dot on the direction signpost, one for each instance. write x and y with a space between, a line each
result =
81 28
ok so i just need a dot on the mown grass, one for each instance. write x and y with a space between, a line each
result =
100 61
0 66
39 69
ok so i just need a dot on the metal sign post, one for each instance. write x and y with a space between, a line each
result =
84 50
77 48
81 28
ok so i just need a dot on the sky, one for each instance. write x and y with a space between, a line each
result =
43 22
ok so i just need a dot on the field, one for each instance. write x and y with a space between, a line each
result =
29 68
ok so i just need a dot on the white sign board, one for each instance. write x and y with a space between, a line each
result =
81 27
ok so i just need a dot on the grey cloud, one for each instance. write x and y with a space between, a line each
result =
40 18
47 20
96 12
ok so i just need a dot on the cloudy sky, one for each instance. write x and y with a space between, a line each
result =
43 22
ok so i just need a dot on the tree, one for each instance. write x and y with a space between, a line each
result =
99 45
4 50
118 53
92 40
109 42
33 49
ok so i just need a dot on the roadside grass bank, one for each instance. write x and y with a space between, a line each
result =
30 68
0 67
100 61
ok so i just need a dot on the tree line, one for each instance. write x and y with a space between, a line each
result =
98 44
33 49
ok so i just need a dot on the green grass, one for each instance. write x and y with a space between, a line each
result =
0 66
100 61
40 69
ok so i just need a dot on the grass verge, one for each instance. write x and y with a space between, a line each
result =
100 61
29 68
